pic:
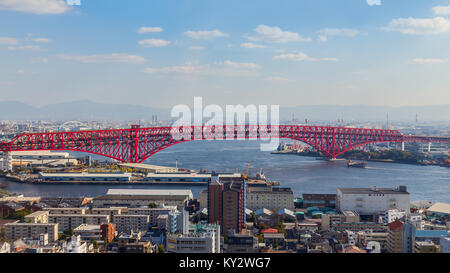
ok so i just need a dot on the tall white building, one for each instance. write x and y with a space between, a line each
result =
391 215
178 222
76 245
203 239
368 201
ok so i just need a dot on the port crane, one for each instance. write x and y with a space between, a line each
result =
246 172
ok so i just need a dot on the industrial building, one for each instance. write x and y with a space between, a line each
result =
124 177
135 198
368 201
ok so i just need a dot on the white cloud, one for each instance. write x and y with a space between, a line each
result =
278 79
8 41
205 34
154 43
41 40
429 61
20 72
188 68
196 48
143 30
105 58
25 47
36 6
252 45
275 35
300 56
442 10
226 68
340 32
44 60
249 66
416 26
373 2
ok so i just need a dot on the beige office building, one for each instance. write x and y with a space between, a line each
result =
270 198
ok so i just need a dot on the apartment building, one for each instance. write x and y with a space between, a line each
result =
40 216
126 223
203 240
330 220
14 231
270 198
67 222
152 213
71 210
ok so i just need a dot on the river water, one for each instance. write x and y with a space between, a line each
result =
302 174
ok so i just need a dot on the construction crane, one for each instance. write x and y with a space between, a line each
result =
246 172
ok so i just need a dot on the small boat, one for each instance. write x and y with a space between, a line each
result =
352 164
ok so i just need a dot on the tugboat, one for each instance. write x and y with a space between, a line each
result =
352 164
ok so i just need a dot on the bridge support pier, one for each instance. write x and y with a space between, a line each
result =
429 147
403 146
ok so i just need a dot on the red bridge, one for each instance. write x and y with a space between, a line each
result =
138 144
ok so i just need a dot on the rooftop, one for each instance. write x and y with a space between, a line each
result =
85 174
372 190
143 192
432 233
443 208
85 227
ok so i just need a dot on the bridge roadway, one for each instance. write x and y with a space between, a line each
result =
137 144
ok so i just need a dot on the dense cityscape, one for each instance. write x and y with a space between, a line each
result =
224 136
234 213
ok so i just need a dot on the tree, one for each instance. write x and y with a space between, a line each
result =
161 249
152 205
94 242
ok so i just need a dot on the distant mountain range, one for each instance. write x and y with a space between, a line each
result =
88 110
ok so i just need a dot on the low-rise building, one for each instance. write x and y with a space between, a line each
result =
67 210
330 220
204 239
109 211
241 243
359 226
135 198
14 231
425 247
124 177
318 200
127 223
152 213
88 232
40 216
270 198
67 222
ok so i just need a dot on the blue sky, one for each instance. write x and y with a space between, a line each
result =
162 53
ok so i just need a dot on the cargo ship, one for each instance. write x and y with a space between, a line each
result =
352 164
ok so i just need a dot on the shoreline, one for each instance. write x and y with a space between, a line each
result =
108 183
368 160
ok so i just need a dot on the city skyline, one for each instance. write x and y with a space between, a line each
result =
389 53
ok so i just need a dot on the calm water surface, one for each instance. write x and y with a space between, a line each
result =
302 174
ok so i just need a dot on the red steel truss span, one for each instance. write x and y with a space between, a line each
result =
138 144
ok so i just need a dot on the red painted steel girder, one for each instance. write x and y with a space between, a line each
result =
138 144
